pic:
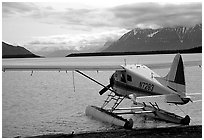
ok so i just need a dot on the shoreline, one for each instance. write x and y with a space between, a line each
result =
185 51
193 131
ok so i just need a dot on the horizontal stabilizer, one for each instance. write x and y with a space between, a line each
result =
176 99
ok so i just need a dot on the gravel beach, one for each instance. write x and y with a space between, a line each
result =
194 131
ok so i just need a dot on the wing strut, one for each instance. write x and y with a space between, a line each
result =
94 80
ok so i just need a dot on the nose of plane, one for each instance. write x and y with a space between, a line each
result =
102 91
112 80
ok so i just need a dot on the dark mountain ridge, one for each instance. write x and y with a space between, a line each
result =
186 51
10 51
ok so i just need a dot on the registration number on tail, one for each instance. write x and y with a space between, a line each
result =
146 86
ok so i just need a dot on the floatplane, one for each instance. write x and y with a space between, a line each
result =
130 82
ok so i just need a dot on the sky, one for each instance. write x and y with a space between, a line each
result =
87 24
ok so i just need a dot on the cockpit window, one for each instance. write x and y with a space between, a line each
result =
129 78
123 78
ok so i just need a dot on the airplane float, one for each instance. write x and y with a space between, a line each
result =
131 82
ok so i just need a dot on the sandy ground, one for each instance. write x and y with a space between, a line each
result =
171 132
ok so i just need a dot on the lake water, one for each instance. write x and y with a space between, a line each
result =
47 103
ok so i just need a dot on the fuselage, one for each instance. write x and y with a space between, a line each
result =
140 80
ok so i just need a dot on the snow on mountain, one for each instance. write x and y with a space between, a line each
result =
169 38
152 34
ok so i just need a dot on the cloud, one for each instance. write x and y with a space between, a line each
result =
123 16
80 42
89 28
13 8
129 16
47 14
86 19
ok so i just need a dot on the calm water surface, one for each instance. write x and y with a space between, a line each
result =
47 103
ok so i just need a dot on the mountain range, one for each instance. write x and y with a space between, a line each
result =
10 51
136 41
169 38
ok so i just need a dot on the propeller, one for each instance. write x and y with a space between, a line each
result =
102 91
105 87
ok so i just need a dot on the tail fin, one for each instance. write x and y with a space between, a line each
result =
176 78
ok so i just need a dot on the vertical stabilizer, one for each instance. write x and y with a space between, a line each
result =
176 78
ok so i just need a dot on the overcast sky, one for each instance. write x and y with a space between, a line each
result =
84 24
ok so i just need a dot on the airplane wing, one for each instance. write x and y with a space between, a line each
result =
59 67
50 64
45 65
